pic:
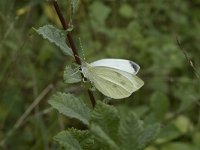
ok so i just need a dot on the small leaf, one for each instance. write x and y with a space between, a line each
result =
126 11
183 124
56 36
23 10
104 123
65 139
71 75
70 106
71 27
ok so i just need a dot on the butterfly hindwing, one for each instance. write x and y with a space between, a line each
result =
114 83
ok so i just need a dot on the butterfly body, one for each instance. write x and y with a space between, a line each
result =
115 78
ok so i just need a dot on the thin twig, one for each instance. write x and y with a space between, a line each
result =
176 114
39 113
28 111
33 105
188 59
72 44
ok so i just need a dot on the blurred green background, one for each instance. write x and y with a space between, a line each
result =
142 31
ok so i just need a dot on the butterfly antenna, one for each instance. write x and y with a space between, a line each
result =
82 49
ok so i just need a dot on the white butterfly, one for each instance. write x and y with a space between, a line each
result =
115 78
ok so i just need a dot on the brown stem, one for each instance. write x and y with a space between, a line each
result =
69 35
72 44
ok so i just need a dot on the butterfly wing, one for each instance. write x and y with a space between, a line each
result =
120 64
114 83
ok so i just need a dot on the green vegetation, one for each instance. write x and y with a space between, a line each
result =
146 32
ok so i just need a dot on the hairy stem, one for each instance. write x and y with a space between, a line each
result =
72 44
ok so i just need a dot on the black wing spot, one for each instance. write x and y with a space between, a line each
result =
134 66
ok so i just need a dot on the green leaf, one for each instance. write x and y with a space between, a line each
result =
148 135
126 11
168 133
56 36
84 137
70 28
104 123
133 135
103 137
99 12
196 139
129 131
70 106
159 105
71 75
183 124
65 139
178 146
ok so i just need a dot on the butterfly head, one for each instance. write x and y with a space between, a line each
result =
84 68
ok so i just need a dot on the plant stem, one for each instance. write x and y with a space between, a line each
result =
72 44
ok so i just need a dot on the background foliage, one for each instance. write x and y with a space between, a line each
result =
143 31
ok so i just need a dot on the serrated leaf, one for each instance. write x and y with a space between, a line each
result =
56 36
84 137
103 137
65 139
129 130
107 117
148 135
133 135
104 123
71 75
70 106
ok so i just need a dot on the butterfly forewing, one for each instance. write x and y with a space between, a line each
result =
120 64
